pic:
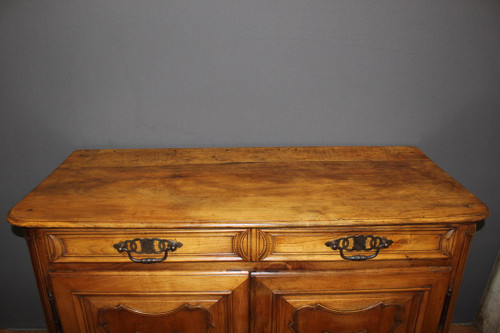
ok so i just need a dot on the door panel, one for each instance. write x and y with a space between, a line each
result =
152 302
371 301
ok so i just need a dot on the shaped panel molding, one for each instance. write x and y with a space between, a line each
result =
322 319
186 319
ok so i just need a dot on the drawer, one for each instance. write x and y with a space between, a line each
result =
402 243
100 245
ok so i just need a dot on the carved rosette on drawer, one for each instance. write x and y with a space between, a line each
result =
253 244
447 242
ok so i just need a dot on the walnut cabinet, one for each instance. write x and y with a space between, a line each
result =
296 239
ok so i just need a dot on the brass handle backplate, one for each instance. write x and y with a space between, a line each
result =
359 243
147 246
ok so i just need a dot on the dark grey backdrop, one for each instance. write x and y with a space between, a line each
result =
205 73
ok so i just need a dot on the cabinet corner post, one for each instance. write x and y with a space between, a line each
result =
55 314
446 305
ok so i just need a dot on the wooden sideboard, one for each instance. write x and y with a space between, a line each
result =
261 240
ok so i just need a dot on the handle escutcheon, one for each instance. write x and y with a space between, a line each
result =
359 243
147 246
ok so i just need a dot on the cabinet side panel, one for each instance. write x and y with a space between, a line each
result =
39 259
466 234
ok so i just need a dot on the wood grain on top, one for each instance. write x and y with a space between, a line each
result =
224 187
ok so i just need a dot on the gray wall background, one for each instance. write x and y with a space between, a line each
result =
206 73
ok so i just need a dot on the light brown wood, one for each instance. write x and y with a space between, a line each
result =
349 301
263 187
408 243
97 246
254 224
92 298
78 245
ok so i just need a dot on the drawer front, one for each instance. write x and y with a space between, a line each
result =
400 244
101 246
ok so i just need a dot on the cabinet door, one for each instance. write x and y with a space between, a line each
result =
372 301
152 302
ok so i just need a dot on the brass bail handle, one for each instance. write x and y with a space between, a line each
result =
147 246
359 243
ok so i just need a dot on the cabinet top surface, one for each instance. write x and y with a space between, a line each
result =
233 187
